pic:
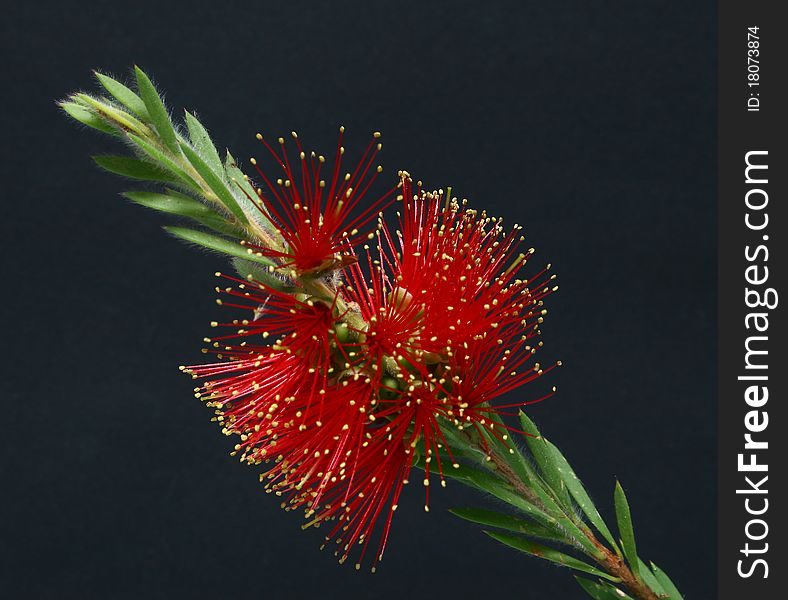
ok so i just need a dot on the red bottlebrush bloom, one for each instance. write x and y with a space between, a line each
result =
434 330
448 326
317 219
295 322
285 400
459 265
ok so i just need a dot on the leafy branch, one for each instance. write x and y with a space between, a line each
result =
211 194
553 517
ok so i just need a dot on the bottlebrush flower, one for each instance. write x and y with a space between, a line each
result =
346 393
318 220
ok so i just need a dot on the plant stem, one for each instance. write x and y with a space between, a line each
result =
616 566
609 561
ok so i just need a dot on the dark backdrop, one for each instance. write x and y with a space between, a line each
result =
593 124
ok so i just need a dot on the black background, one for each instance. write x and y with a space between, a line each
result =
593 124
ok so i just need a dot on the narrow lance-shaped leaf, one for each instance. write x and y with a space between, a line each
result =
202 142
123 95
214 182
510 523
169 203
547 553
578 492
600 590
134 168
235 175
545 460
650 580
547 512
156 110
87 117
165 161
491 484
217 244
181 205
551 520
508 450
118 117
475 477
246 194
259 273
670 589
625 530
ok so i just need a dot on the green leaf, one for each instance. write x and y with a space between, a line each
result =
179 204
548 514
508 450
510 523
601 590
247 196
123 95
220 225
86 117
156 110
185 206
545 460
165 161
487 482
650 580
235 175
551 521
625 530
474 477
214 182
259 273
547 553
119 117
217 244
202 143
579 493
670 589
134 168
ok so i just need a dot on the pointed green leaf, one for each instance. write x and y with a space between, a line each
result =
260 274
214 182
489 483
246 194
120 118
220 225
548 513
217 244
625 530
510 523
507 449
579 493
156 110
182 205
87 117
134 168
469 475
165 161
179 204
123 95
235 175
650 580
547 553
667 585
601 590
545 461
202 143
